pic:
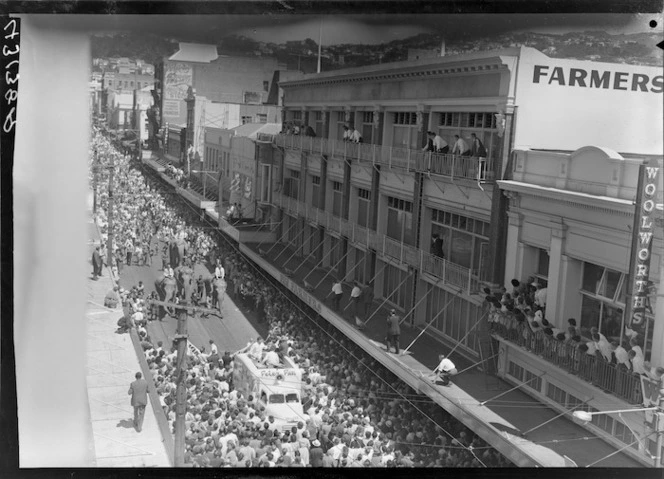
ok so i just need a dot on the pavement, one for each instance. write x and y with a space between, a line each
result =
111 363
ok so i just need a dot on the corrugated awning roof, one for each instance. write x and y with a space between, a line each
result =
195 52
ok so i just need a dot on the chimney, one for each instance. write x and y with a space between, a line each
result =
442 48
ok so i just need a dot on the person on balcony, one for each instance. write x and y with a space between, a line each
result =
637 362
460 147
437 245
429 145
347 133
355 136
439 145
621 356
477 147
308 131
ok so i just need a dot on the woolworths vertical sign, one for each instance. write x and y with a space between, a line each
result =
644 229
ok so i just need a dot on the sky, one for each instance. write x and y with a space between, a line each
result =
359 28
362 29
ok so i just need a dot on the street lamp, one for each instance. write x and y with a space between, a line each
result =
586 416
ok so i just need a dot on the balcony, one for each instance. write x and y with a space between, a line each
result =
450 273
592 369
449 166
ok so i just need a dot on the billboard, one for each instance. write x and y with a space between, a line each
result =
178 77
565 104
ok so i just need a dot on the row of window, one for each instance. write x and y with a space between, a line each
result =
467 120
460 222
259 118
127 84
399 204
216 160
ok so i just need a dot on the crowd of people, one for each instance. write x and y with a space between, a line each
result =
520 316
359 413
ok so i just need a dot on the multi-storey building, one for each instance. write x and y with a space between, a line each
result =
220 79
552 197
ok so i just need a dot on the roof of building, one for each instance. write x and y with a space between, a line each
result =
195 52
251 130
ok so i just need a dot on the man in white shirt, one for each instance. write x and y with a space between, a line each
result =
347 133
540 296
621 355
637 362
338 292
271 358
355 136
445 369
256 349
436 143
213 348
460 146
219 271
355 294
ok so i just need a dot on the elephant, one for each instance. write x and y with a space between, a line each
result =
178 249
166 288
218 292
185 282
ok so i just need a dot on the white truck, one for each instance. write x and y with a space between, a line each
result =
278 390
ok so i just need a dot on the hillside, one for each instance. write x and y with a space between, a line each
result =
591 45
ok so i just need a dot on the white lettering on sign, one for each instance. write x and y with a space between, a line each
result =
273 373
643 247
579 77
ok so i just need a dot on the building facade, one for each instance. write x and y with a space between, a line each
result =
220 79
551 196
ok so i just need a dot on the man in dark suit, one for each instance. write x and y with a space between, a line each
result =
393 331
96 264
437 245
138 390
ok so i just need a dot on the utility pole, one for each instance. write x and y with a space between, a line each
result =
181 392
111 170
95 168
181 372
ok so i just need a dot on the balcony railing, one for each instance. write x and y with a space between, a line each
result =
450 273
451 166
594 369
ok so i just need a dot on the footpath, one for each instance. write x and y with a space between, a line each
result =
111 363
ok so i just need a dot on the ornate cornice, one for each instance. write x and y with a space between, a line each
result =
433 71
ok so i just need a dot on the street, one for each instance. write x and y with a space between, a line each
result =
231 333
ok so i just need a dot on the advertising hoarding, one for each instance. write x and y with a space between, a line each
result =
565 104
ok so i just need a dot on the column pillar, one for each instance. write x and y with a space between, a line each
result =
514 251
568 299
555 288
657 353
326 123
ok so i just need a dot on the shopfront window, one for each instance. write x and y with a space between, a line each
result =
315 191
465 240
363 202
399 219
292 183
404 130
397 289
603 301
